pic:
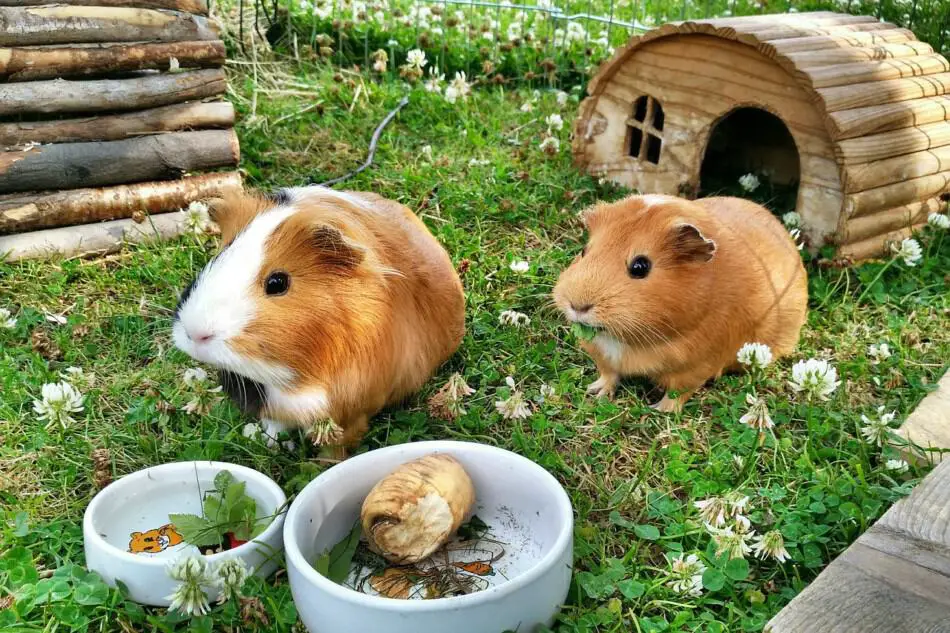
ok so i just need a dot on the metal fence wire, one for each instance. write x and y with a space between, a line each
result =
554 43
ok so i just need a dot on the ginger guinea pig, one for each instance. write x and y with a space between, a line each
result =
321 304
674 288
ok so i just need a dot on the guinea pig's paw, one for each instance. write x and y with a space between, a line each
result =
603 387
668 405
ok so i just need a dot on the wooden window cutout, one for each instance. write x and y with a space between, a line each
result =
645 138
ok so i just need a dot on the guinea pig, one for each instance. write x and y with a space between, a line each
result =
673 288
321 304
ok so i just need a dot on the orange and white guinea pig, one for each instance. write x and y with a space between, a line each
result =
673 289
321 304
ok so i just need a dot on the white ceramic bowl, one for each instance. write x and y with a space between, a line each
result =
510 491
141 502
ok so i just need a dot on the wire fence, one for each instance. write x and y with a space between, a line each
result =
554 43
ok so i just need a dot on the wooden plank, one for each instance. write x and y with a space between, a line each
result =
889 220
194 115
928 427
61 24
861 177
895 143
775 32
883 92
822 42
834 56
891 116
33 211
813 17
110 95
878 245
895 578
48 62
75 165
896 194
90 239
188 6
863 72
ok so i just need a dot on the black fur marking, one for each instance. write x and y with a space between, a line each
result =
244 392
184 295
279 197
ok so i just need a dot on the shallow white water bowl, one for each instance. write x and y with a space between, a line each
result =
523 504
132 514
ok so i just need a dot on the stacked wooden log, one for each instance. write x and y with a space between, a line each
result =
110 110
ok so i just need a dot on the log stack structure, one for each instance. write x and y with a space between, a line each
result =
111 120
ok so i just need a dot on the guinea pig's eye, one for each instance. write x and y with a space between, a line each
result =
277 283
640 267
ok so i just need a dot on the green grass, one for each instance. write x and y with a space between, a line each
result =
632 474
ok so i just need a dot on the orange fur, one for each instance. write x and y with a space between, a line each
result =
732 276
374 307
154 541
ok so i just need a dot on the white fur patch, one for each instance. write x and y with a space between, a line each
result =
304 405
298 193
221 304
653 199
610 348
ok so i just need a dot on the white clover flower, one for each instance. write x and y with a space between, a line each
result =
730 541
325 431
876 431
427 152
561 98
792 220
7 320
194 573
758 416
909 251
939 221
252 431
392 43
771 544
879 352
554 122
527 106
435 80
755 355
77 377
195 376
513 317
897 465
459 88
202 402
380 65
197 218
815 378
712 510
686 575
231 575
550 145
546 392
173 65
514 407
736 502
416 59
739 461
749 182
519 266
59 400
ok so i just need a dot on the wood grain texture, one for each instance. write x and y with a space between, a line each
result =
896 194
76 165
188 6
878 245
823 42
33 211
892 116
864 72
172 118
866 176
62 24
865 149
48 62
884 92
894 579
928 427
889 220
834 56
89 239
109 95
783 32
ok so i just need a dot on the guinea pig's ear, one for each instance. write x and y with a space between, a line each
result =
334 248
591 215
234 210
689 245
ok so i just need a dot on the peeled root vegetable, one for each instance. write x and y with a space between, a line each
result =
415 509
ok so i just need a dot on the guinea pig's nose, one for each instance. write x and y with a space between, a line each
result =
199 336
582 308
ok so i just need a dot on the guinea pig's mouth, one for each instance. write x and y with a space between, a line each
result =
585 331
